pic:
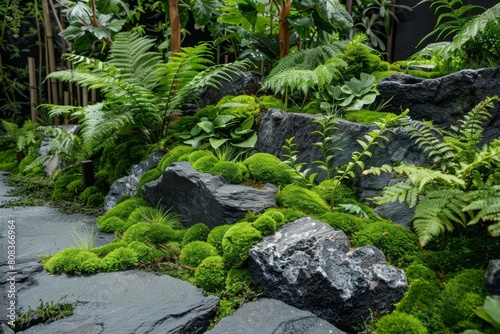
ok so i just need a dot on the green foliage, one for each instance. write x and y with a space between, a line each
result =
120 259
124 209
266 168
120 154
197 232
216 235
237 242
198 154
361 59
423 301
490 311
265 224
22 137
172 156
137 232
195 252
302 199
460 189
8 159
60 191
242 106
44 313
399 323
211 274
238 281
397 243
106 249
96 200
461 295
62 261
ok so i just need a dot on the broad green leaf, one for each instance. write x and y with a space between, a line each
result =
301 24
222 121
334 13
206 126
216 143
203 10
492 308
248 143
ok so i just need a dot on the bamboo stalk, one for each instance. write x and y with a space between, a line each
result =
51 56
33 89
66 103
93 96
85 97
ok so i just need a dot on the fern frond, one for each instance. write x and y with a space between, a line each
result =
485 203
437 212
404 192
488 157
131 54
494 229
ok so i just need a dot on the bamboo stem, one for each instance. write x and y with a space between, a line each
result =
85 97
66 103
50 49
33 89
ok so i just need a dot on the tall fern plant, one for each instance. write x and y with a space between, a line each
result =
462 186
140 91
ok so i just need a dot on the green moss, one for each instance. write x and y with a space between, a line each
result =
137 216
102 181
93 265
237 242
8 159
344 222
216 235
75 186
244 106
106 249
230 170
61 261
211 274
343 193
423 300
193 253
124 209
196 155
360 58
121 259
88 192
400 323
147 177
379 75
267 168
238 281
113 225
302 199
265 224
95 200
197 232
365 116
60 184
461 295
419 271
160 234
205 164
142 250
397 243
137 232
173 155
277 216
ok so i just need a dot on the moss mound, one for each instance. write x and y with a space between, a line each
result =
211 274
265 224
232 172
400 323
197 232
124 209
114 225
237 242
344 222
216 235
305 200
121 259
267 168
195 252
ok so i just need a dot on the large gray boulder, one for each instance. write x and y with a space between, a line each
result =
311 266
202 197
493 277
127 185
446 99
270 316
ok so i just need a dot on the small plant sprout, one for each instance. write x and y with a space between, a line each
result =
86 240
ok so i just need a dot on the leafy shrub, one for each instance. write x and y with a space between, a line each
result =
195 252
197 232
237 242
75 186
121 259
397 243
265 167
113 225
211 274
302 199
205 164
399 323
423 300
461 295
277 216
124 209
216 235
265 224
346 222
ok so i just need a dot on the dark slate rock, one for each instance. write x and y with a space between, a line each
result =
127 185
121 302
270 316
311 266
248 83
4 329
493 277
444 100
202 197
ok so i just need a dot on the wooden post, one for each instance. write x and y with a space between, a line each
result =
66 103
93 96
85 97
88 173
33 89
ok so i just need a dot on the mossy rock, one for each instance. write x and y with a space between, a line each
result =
423 300
211 274
106 249
417 271
173 155
113 225
461 295
277 216
216 235
205 164
399 323
124 209
121 259
397 243
267 168
147 177
197 232
365 116
265 224
237 243
346 222
195 252
196 155
232 172
305 200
